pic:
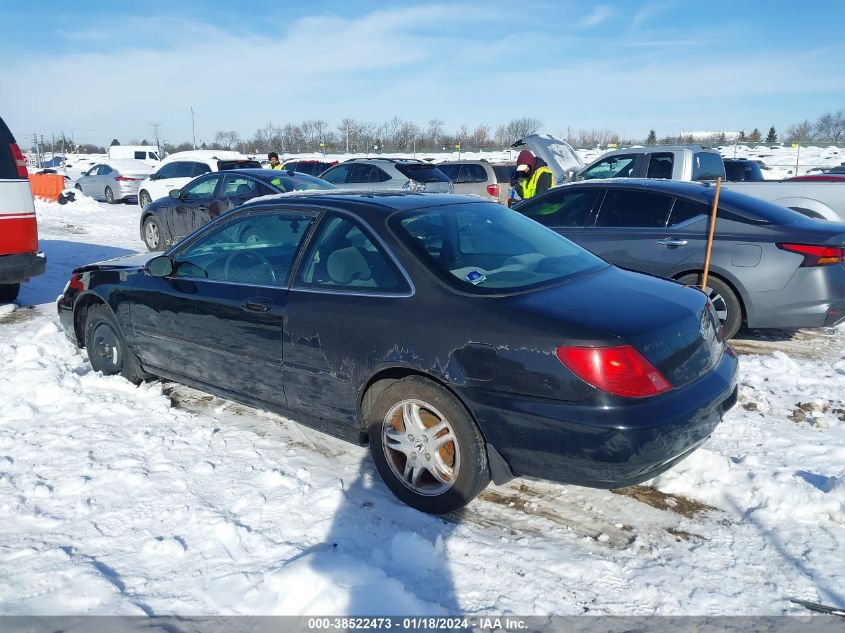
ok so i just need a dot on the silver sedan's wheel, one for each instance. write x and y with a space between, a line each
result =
425 444
109 195
421 448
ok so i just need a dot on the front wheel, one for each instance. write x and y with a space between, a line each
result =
152 233
107 349
426 446
724 300
109 195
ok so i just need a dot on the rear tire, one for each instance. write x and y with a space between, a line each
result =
107 349
724 300
78 188
152 233
110 196
9 292
433 470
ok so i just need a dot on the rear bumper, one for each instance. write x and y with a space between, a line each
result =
814 297
604 446
127 190
21 266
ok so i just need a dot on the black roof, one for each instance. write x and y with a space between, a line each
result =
386 200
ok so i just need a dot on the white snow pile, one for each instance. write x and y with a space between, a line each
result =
157 499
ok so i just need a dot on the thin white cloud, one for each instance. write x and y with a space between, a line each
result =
601 13
650 11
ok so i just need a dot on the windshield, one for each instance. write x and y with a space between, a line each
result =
296 182
486 248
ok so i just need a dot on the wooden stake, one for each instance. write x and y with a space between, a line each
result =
710 237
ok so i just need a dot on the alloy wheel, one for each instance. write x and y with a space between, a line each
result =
421 447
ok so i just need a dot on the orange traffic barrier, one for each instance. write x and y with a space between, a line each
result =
47 186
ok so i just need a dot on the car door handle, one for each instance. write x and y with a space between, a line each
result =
256 305
671 242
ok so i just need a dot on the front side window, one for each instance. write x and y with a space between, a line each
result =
562 208
707 166
256 249
629 208
453 172
167 171
202 189
612 167
342 256
337 175
486 248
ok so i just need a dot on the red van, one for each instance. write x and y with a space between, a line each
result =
19 256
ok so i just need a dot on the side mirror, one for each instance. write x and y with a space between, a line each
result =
160 266
175 193
154 177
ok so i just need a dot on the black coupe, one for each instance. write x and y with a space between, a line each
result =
461 340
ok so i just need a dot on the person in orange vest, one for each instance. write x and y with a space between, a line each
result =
532 175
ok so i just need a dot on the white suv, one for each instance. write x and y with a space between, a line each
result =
180 168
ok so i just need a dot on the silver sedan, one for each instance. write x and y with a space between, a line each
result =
114 180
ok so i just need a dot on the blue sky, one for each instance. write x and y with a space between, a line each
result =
106 69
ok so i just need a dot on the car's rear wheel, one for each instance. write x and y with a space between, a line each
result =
144 199
152 233
9 292
426 446
724 300
78 187
107 349
109 195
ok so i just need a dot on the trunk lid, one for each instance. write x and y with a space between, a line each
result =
136 260
674 327
558 155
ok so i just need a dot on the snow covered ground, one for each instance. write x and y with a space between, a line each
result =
159 499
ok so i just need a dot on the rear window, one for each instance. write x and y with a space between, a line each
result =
422 173
486 248
238 164
8 167
707 166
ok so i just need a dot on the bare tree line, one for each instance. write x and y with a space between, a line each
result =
400 135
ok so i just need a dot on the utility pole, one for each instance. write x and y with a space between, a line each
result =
155 127
193 127
347 138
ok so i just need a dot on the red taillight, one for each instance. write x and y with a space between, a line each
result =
20 160
493 190
621 371
816 255
124 178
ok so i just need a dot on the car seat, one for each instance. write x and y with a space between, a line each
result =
348 267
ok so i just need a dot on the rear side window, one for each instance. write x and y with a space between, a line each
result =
504 173
343 257
685 210
200 169
140 155
707 166
660 165
422 173
184 170
563 209
452 171
363 173
629 208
